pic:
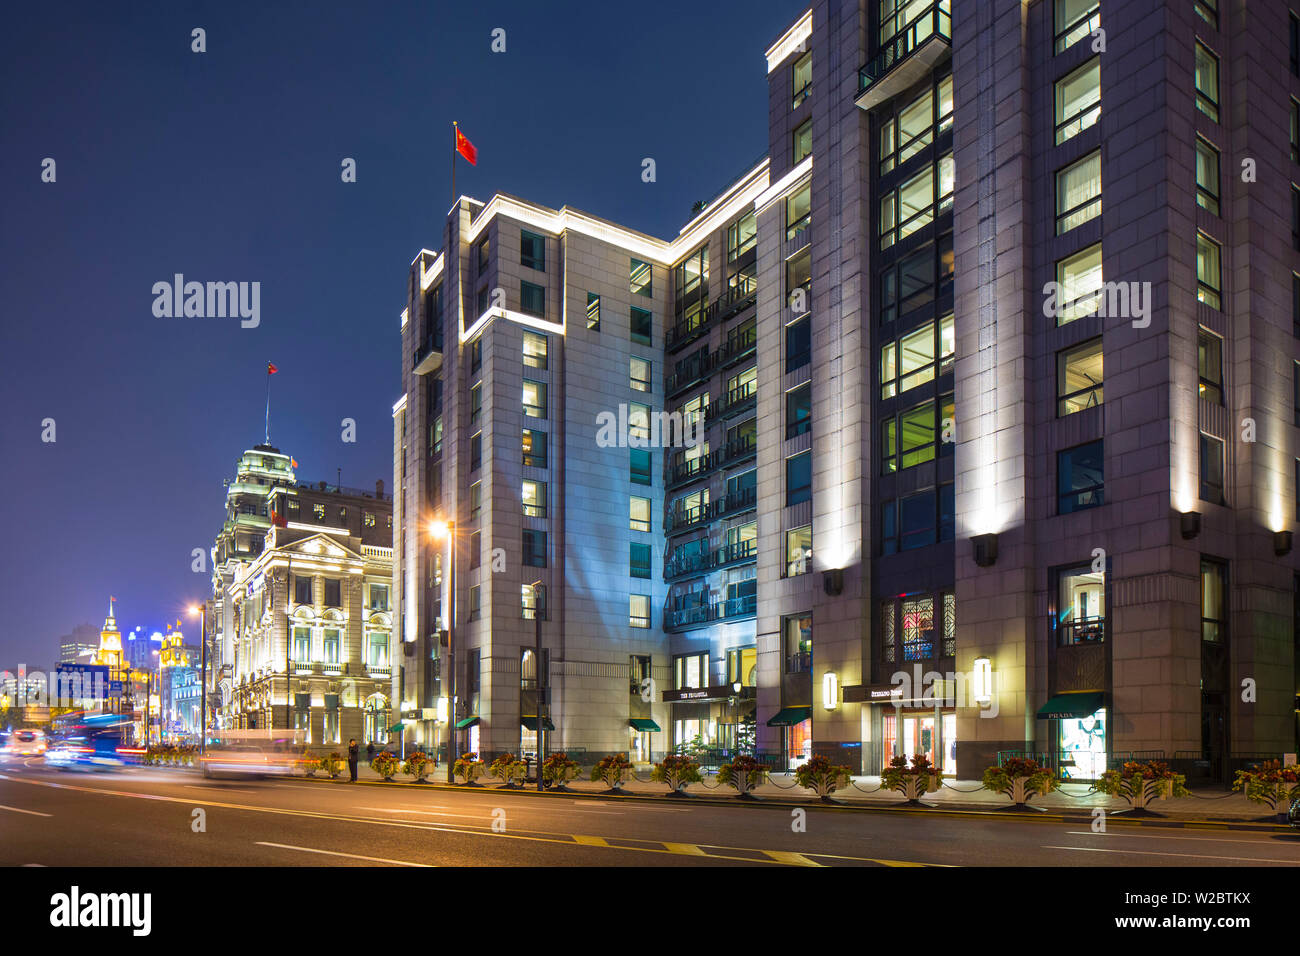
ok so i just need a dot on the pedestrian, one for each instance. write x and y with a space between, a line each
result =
370 750
352 759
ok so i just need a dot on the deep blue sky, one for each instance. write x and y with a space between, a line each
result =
225 166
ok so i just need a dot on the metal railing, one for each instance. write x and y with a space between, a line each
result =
934 22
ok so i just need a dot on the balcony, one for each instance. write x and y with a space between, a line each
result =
690 372
702 615
427 357
739 552
739 399
728 305
736 449
741 343
907 58
737 502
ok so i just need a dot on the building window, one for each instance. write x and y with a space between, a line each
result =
533 444
1295 217
330 645
1208 10
1295 132
798 343
532 602
741 236
476 451
534 399
532 250
915 203
475 602
639 513
1214 601
918 520
798 276
302 645
1207 176
475 402
435 438
379 597
802 80
535 348
1075 19
475 501
484 251
1079 284
639 375
532 299
1080 616
798 643
640 278
910 360
910 284
640 465
802 142
1209 283
916 125
798 410
638 425
798 478
1078 100
1211 470
798 551
639 560
798 211
534 548
1207 82
593 312
1295 400
638 610
333 592
475 550
641 325
1209 366
690 671
331 724
1078 193
534 498
912 436
302 589
1079 377
1080 478
476 354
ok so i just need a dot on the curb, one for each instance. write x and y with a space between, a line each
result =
776 803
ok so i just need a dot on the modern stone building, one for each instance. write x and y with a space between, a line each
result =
999 409
301 620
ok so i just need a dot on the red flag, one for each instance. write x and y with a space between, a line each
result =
294 461
279 520
271 369
466 148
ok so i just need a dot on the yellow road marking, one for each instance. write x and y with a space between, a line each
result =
688 849
590 840
794 859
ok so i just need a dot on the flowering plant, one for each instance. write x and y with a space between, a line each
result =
331 765
1141 783
1020 778
612 769
418 765
677 771
744 773
911 781
509 769
468 767
1269 783
385 764
821 776
558 769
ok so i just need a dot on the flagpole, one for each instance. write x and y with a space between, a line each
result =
453 162
268 403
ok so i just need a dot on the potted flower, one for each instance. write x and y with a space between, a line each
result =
1142 784
913 781
822 777
509 769
1271 784
309 764
676 770
418 765
469 768
386 765
612 769
558 769
331 765
745 774
1020 778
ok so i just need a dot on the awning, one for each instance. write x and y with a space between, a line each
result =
1065 706
396 726
530 723
789 716
643 724
467 722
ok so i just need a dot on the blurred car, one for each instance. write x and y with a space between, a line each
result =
92 749
26 743
250 756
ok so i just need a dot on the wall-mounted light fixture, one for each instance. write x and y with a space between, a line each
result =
736 688
986 549
833 581
1281 543
442 710
830 690
1189 524
982 681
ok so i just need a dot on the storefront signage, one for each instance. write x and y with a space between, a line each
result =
715 692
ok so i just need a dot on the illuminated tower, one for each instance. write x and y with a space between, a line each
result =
110 645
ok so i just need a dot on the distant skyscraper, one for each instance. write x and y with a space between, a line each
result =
80 645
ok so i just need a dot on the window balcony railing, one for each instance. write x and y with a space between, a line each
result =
427 357
737 400
738 552
690 372
919 46
728 305
740 343
1084 630
704 614
736 449
737 502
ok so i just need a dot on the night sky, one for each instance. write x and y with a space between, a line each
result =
225 166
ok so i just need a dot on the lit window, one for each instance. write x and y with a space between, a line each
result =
534 350
1079 378
802 80
640 278
593 312
1207 82
639 514
1208 10
534 499
534 399
912 436
533 443
798 551
1209 367
1078 193
532 602
1209 282
1075 19
798 211
802 142
1078 100
915 203
910 361
638 613
1080 616
741 236
798 280
1079 283
915 126
1214 601
640 375
1207 176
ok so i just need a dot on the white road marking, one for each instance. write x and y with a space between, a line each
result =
352 856
425 813
1186 839
196 786
35 813
1194 856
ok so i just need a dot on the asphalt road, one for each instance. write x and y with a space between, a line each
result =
150 817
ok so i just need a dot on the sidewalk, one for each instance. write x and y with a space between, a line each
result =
1208 805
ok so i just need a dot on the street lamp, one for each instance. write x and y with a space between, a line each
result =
201 611
537 670
439 530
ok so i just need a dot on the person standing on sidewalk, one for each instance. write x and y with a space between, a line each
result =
352 759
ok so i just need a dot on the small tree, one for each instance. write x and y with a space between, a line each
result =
745 774
1141 784
418 765
331 765
677 771
1271 784
747 733
913 781
509 769
558 769
822 777
385 764
613 769
469 768
1020 778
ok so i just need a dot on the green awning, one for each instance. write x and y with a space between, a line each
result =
789 716
643 724
467 722
530 723
397 726
1065 706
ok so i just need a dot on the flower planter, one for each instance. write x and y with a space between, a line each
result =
612 771
913 781
745 774
1020 779
1142 784
678 772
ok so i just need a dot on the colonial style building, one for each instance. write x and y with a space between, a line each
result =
301 614
995 356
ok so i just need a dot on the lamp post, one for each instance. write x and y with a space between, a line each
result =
202 611
541 691
438 530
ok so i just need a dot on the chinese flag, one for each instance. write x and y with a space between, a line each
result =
271 369
294 461
466 148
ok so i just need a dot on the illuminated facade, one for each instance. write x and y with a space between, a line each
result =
923 519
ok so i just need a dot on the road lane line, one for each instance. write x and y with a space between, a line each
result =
1193 856
590 840
1185 839
426 813
352 856
794 859
689 849
35 813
